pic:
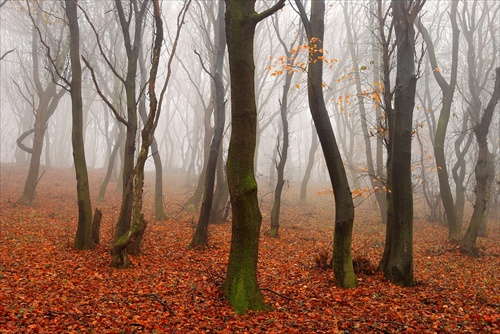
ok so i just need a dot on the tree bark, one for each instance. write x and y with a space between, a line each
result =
241 286
399 267
344 206
83 238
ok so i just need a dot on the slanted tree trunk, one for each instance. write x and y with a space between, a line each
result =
399 231
344 206
448 90
83 238
132 48
482 173
241 286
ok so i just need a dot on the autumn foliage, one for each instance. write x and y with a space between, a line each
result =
47 286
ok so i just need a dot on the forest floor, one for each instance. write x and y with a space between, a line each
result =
46 286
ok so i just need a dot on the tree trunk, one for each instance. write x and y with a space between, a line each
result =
111 163
482 173
448 90
344 206
219 212
283 153
83 238
158 195
200 236
138 224
132 49
399 231
375 181
309 167
241 287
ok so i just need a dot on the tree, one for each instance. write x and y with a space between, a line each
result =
448 90
47 94
200 235
397 261
138 224
131 20
344 206
241 286
283 151
309 166
159 212
483 171
373 171
83 239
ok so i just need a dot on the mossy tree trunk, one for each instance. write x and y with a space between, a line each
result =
344 206
138 224
132 47
241 286
83 238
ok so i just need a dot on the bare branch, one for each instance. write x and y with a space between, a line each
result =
105 99
6 53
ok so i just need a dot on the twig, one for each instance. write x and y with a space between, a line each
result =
159 300
276 293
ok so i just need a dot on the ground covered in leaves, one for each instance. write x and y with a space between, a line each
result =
47 286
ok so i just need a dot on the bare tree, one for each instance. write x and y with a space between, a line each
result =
344 206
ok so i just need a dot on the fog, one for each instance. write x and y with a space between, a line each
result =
33 47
